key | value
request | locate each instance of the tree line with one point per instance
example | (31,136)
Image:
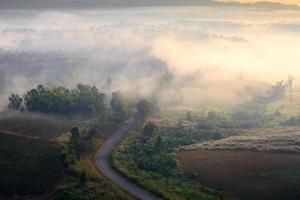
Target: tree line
(83,99)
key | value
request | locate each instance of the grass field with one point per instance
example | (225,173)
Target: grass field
(247,175)
(28,166)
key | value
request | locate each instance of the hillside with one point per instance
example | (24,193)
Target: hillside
(243,174)
(277,139)
(35,125)
(28,166)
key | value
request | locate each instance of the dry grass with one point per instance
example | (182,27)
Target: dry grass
(276,139)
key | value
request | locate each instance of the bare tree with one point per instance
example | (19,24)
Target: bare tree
(290,81)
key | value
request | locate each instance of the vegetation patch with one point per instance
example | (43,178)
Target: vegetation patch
(148,160)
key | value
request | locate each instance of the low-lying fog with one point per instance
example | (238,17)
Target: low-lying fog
(143,50)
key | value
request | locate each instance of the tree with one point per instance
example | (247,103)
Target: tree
(75,141)
(290,81)
(159,145)
(92,133)
(144,109)
(83,178)
(15,102)
(149,129)
(86,96)
(75,133)
(120,106)
(189,115)
(84,99)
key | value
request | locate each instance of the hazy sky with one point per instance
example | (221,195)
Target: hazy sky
(279,1)
(92,4)
(206,43)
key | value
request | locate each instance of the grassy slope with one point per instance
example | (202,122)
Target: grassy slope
(248,175)
(36,125)
(275,139)
(46,127)
(28,166)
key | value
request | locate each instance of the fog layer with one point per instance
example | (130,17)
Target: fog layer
(140,50)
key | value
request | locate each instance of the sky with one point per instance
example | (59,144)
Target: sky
(205,44)
(92,4)
(277,1)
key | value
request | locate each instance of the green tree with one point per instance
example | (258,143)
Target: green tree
(189,116)
(119,106)
(15,102)
(75,133)
(84,99)
(144,110)
(83,179)
(87,96)
(149,129)
(75,141)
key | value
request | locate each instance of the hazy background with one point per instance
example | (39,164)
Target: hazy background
(140,49)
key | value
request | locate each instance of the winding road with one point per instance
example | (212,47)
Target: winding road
(102,162)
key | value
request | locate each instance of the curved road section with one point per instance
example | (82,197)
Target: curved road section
(102,162)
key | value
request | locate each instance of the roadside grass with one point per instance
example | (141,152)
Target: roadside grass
(245,174)
(97,187)
(167,189)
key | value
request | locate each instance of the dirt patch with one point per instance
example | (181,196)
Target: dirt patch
(247,175)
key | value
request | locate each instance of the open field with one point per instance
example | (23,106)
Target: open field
(200,101)
(35,125)
(247,175)
(277,139)
(28,166)
(203,98)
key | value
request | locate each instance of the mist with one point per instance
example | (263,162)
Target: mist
(142,51)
